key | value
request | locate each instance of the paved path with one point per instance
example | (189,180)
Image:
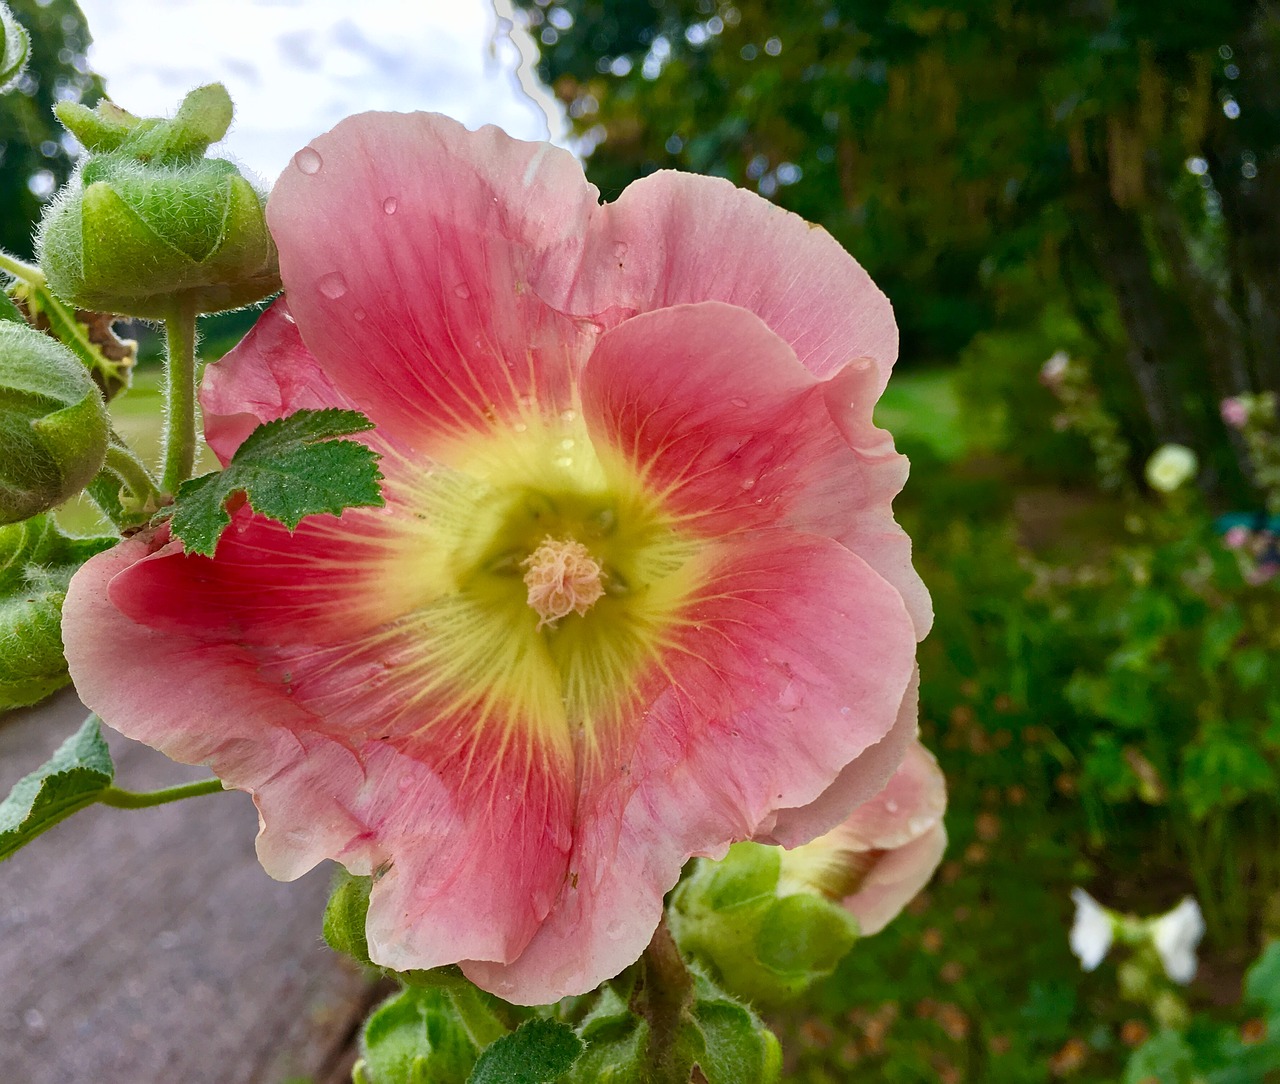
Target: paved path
(148,947)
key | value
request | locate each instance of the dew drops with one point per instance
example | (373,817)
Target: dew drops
(620,249)
(520,427)
(748,483)
(308,160)
(568,415)
(891,806)
(359,314)
(462,290)
(846,710)
(390,204)
(404,782)
(739,403)
(567,444)
(332,285)
(615,930)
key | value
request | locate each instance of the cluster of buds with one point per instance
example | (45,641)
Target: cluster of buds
(1082,410)
(1255,540)
(1254,417)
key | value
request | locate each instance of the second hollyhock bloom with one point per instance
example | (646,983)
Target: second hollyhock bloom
(636,591)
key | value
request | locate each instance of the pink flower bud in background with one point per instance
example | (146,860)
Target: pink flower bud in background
(1236,538)
(1234,412)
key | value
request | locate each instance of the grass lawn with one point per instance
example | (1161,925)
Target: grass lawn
(922,406)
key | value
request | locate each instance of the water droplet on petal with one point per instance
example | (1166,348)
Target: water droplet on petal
(308,160)
(846,710)
(620,249)
(390,204)
(332,285)
(359,314)
(568,415)
(567,443)
(748,483)
(739,403)
(616,930)
(891,806)
(404,782)
(520,427)
(564,461)
(462,290)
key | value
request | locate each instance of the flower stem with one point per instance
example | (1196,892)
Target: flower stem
(125,465)
(130,799)
(179,396)
(666,993)
(480,1021)
(28,273)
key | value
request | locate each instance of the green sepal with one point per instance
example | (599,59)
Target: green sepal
(416,1037)
(288,469)
(15,48)
(147,226)
(53,424)
(345,914)
(758,945)
(9,311)
(71,779)
(537,1052)
(37,562)
(201,120)
(739,1048)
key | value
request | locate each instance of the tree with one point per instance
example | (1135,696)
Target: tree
(36,155)
(987,161)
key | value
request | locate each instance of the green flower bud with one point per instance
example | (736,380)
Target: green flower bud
(53,423)
(36,563)
(759,945)
(15,48)
(148,224)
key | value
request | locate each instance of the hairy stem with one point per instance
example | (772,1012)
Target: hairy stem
(480,1021)
(180,397)
(130,799)
(666,993)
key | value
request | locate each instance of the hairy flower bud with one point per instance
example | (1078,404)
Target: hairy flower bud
(36,563)
(53,423)
(148,223)
(15,48)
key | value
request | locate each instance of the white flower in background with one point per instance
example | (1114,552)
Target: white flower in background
(1053,370)
(1176,936)
(1092,931)
(1170,467)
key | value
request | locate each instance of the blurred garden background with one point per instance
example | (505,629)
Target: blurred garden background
(1075,209)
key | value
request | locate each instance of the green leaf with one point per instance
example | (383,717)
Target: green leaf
(1165,1057)
(739,1048)
(535,1053)
(416,1038)
(68,781)
(1262,981)
(288,469)
(15,48)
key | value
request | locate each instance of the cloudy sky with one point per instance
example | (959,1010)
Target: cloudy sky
(296,67)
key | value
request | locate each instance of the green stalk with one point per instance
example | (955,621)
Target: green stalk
(28,273)
(125,465)
(179,397)
(480,1021)
(130,799)
(665,995)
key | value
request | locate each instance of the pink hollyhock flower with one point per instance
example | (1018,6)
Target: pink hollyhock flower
(1235,412)
(636,592)
(884,853)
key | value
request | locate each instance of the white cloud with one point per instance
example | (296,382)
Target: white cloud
(296,67)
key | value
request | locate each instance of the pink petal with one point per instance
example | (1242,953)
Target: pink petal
(407,249)
(341,763)
(268,375)
(718,415)
(896,880)
(860,780)
(675,238)
(913,800)
(794,662)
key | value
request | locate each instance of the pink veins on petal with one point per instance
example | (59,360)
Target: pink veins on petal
(636,591)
